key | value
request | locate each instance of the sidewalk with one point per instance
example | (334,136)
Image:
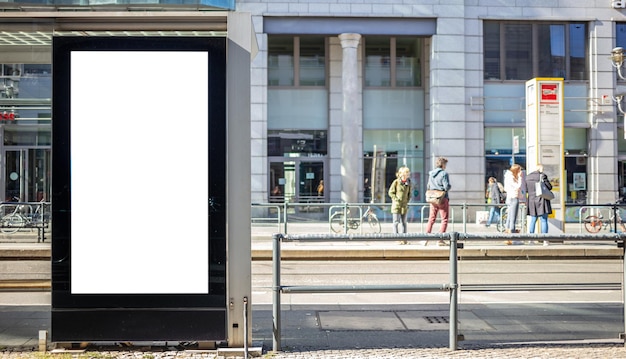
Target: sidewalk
(384,248)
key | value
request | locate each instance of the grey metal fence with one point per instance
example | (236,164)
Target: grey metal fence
(456,241)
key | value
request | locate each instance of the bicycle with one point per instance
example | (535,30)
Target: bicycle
(339,222)
(20,217)
(501,224)
(594,223)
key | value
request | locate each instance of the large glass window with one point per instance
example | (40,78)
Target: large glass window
(491,43)
(312,61)
(518,53)
(393,62)
(620,34)
(280,61)
(551,50)
(296,61)
(408,62)
(384,152)
(577,51)
(524,50)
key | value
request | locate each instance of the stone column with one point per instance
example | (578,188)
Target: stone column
(350,125)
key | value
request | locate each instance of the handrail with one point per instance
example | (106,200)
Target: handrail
(268,206)
(453,286)
(612,206)
(291,210)
(25,210)
(278,288)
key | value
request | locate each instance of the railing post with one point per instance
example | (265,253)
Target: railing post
(345,218)
(245,327)
(285,216)
(276,291)
(454,287)
(464,217)
(623,244)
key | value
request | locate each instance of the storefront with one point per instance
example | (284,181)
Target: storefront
(431,81)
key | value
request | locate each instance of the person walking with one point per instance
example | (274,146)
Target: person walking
(538,207)
(400,193)
(514,194)
(438,179)
(494,195)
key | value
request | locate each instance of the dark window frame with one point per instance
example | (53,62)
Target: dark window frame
(535,56)
(296,63)
(393,58)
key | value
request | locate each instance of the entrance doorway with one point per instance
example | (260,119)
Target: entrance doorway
(297,180)
(27,175)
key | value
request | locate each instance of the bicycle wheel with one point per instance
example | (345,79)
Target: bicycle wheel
(501,225)
(11,223)
(593,224)
(337,222)
(373,223)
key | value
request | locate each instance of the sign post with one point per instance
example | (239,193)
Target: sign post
(544,138)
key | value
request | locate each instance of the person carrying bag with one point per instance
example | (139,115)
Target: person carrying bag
(438,180)
(538,206)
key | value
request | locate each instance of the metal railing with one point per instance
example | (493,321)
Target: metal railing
(614,218)
(284,214)
(17,216)
(453,286)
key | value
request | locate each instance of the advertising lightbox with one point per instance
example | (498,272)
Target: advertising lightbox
(139,192)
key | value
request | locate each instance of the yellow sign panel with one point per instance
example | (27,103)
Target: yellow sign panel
(544,136)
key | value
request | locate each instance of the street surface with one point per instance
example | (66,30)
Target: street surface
(591,278)
(508,309)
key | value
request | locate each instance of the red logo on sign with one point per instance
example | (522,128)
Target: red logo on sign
(6,116)
(549,92)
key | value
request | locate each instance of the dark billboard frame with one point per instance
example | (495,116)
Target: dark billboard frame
(111,316)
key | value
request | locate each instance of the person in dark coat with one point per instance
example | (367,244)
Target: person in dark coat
(538,207)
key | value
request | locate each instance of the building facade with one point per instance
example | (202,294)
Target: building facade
(433,78)
(345,92)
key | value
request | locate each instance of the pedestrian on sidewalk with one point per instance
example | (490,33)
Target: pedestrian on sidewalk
(438,179)
(495,197)
(400,193)
(538,207)
(513,180)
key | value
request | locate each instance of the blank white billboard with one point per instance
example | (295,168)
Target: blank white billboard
(139,172)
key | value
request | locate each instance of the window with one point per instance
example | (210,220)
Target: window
(620,34)
(522,50)
(296,61)
(393,62)
(298,143)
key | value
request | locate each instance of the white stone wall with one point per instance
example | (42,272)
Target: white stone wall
(455,74)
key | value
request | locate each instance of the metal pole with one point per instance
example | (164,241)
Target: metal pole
(276,291)
(623,243)
(454,287)
(245,327)
(614,218)
(345,218)
(285,216)
(464,217)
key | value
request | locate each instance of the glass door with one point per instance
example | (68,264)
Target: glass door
(27,175)
(297,180)
(311,182)
(282,181)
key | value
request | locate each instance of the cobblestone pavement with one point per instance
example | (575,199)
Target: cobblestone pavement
(582,351)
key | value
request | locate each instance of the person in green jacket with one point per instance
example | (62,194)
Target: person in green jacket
(400,193)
